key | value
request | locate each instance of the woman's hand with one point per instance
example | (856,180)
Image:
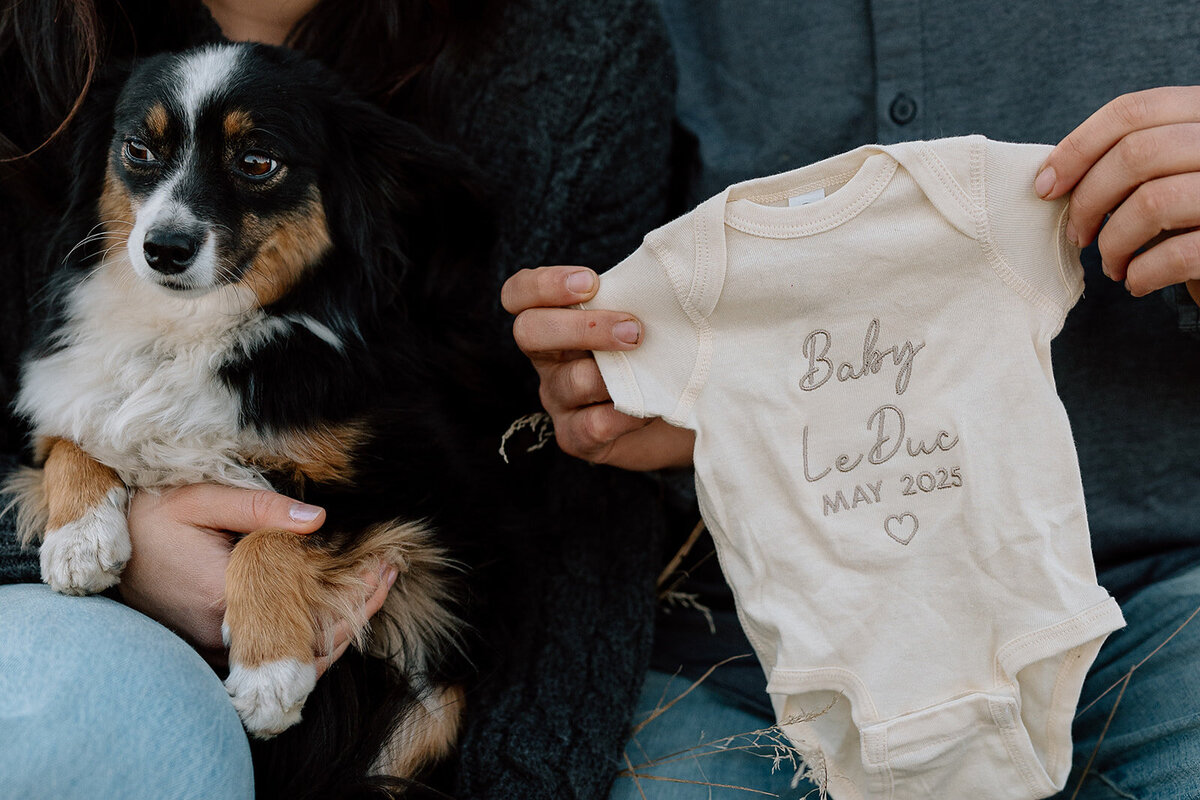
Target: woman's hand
(181,543)
(557,340)
(1138,159)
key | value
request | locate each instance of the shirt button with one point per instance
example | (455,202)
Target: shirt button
(903,109)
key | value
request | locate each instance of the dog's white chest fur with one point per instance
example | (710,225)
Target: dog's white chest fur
(136,383)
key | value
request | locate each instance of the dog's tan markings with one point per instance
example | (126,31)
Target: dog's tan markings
(157,120)
(237,123)
(116,208)
(273,590)
(414,626)
(322,455)
(283,590)
(293,244)
(425,735)
(74,482)
(416,619)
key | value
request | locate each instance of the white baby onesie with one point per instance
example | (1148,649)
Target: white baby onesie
(881,456)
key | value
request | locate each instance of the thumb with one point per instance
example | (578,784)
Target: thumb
(247,510)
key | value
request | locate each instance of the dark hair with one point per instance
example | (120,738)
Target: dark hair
(56,48)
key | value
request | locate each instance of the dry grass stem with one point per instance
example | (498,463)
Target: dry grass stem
(679,556)
(1087,768)
(636,778)
(689,600)
(1124,684)
(704,783)
(781,752)
(683,575)
(661,709)
(538,422)
(770,742)
(1151,654)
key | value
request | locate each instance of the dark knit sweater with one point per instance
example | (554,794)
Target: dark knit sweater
(567,109)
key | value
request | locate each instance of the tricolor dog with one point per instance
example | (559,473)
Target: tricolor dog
(259,293)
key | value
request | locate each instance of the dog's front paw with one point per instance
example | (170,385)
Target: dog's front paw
(269,697)
(87,555)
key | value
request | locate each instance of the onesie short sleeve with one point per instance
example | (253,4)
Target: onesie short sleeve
(662,379)
(1028,234)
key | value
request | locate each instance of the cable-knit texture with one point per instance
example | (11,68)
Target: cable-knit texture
(570,120)
(551,718)
(583,160)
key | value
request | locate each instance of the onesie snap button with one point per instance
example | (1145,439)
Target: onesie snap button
(903,109)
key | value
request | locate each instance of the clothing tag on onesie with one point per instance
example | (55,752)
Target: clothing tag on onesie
(814,196)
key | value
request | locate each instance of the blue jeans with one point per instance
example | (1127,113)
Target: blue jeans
(706,741)
(1151,750)
(98,701)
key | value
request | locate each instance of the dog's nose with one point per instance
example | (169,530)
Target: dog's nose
(169,250)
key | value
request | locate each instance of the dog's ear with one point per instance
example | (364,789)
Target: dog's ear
(90,137)
(412,210)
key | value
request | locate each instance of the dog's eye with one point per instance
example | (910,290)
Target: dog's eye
(256,164)
(136,150)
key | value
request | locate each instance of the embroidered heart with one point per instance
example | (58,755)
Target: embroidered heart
(895,527)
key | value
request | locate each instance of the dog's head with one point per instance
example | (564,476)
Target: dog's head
(250,165)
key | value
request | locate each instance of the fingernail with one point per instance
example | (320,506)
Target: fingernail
(628,331)
(302,512)
(581,282)
(1045,181)
(391,576)
(1072,237)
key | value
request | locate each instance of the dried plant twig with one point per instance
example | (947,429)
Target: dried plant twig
(538,422)
(1151,654)
(1124,684)
(680,555)
(661,709)
(689,600)
(771,742)
(704,783)
(636,778)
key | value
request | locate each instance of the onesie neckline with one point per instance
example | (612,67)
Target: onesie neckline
(860,175)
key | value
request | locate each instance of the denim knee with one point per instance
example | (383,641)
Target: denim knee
(1149,746)
(706,746)
(97,700)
